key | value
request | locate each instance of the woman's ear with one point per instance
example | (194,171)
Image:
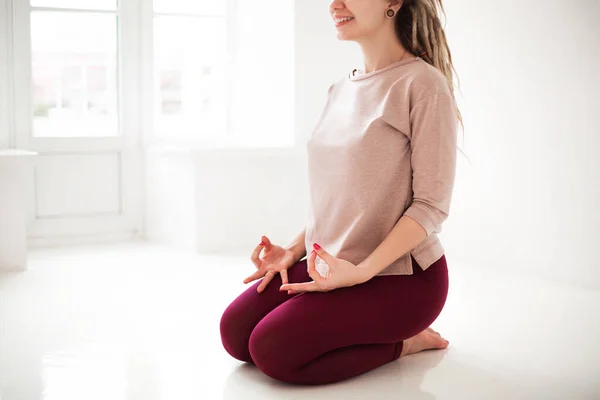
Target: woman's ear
(395,4)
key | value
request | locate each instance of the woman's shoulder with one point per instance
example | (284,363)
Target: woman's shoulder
(419,81)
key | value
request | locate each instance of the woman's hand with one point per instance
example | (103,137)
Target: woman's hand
(275,260)
(341,274)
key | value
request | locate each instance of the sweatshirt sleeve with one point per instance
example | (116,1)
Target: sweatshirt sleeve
(433,137)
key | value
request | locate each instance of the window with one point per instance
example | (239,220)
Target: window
(190,69)
(74,68)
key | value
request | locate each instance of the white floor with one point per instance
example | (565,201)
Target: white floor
(141,323)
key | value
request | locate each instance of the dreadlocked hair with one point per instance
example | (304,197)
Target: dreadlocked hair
(420,31)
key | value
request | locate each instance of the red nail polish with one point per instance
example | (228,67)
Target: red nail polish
(261,244)
(316,246)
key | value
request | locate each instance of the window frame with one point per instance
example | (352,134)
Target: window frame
(20,60)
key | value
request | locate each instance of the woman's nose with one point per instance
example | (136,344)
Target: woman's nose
(336,5)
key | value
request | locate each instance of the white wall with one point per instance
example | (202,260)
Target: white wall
(530,83)
(244,194)
(223,201)
(170,206)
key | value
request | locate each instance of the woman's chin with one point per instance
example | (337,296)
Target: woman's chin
(344,36)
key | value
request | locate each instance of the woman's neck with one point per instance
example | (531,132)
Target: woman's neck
(380,50)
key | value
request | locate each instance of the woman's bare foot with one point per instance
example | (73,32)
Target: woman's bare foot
(428,339)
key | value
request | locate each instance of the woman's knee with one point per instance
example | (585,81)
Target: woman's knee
(270,350)
(233,335)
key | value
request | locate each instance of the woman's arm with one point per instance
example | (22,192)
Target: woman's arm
(297,246)
(433,137)
(405,236)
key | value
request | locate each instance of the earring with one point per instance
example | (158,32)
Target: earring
(390,13)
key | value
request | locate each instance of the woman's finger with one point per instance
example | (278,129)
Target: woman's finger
(257,275)
(312,269)
(256,254)
(268,278)
(300,287)
(284,276)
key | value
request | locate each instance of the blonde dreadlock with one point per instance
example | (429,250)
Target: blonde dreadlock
(420,31)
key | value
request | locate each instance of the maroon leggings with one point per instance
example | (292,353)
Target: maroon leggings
(325,337)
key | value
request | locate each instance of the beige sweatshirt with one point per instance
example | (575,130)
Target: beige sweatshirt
(384,147)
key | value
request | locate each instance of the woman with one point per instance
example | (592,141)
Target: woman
(381,170)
